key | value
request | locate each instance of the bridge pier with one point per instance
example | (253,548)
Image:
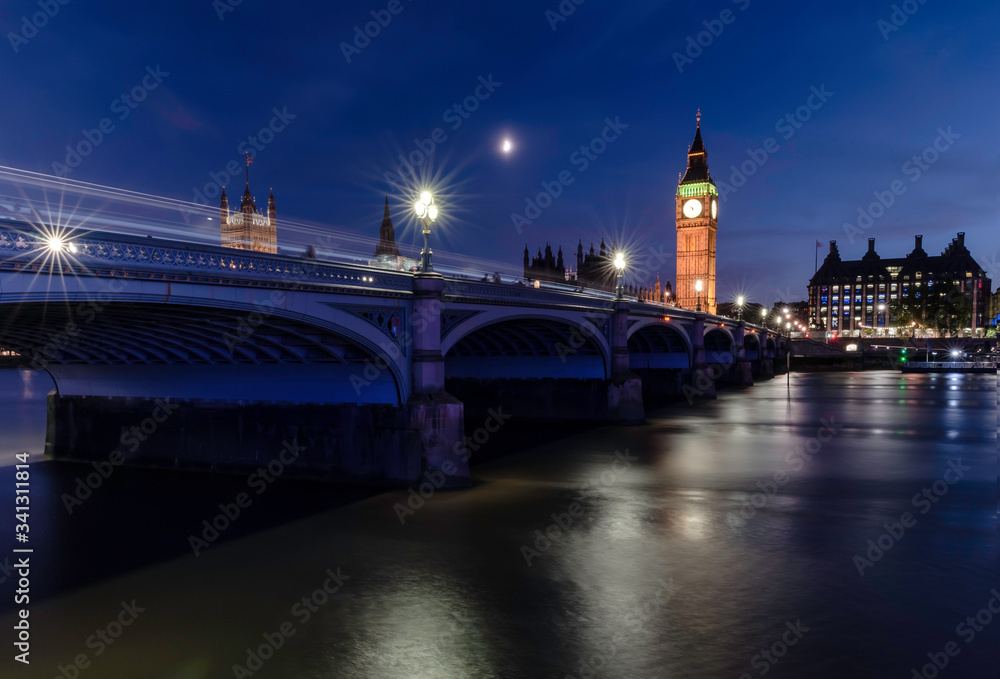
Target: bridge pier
(742,370)
(371,444)
(765,368)
(625,390)
(436,414)
(701,382)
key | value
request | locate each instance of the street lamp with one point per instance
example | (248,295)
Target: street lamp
(763,318)
(739,308)
(620,268)
(427,213)
(697,287)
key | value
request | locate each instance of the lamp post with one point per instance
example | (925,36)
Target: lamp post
(427,213)
(739,308)
(697,287)
(620,268)
(763,318)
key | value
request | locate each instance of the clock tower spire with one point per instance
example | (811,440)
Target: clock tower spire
(697,222)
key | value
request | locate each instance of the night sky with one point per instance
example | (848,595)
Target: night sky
(893,88)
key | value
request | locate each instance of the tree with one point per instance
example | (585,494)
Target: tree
(949,309)
(943,307)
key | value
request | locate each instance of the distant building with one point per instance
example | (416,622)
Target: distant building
(387,255)
(249,229)
(545,267)
(847,297)
(796,312)
(594,269)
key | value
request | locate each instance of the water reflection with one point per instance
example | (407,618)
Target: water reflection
(647,577)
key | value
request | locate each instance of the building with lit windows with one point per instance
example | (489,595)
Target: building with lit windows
(249,229)
(853,297)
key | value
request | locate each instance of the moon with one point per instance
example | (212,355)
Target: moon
(507,146)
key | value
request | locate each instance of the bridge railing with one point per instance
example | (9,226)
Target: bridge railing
(83,253)
(76,255)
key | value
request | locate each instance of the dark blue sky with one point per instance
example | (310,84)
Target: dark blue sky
(607,60)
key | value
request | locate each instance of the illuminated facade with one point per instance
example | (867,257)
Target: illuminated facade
(249,229)
(848,297)
(697,223)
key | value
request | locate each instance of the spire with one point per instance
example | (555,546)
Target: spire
(386,235)
(697,166)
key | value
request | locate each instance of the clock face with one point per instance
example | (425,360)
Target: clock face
(715,208)
(692,208)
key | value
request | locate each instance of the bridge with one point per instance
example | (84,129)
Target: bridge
(185,355)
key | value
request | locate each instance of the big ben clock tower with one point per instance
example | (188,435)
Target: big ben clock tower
(697,222)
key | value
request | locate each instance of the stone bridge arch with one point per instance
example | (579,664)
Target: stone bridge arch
(272,345)
(751,346)
(659,345)
(719,345)
(527,345)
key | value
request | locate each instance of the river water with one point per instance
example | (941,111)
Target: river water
(724,539)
